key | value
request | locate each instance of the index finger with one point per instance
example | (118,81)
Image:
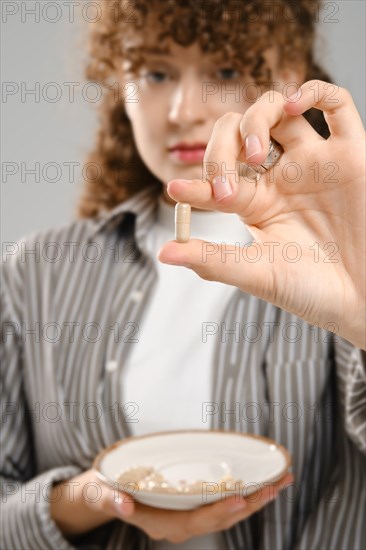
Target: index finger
(219,188)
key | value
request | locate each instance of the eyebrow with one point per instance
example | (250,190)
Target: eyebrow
(156,50)
(160,51)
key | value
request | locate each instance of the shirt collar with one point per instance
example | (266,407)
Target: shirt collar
(143,204)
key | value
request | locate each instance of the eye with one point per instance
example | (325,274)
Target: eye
(228,73)
(156,76)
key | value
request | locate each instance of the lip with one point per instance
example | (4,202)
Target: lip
(188,152)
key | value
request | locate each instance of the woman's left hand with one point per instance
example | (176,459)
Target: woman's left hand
(307,214)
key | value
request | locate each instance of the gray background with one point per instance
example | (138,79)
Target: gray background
(36,129)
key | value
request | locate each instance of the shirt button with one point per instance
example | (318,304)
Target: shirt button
(136,296)
(111,366)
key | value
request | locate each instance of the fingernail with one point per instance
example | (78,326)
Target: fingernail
(237,506)
(252,146)
(221,188)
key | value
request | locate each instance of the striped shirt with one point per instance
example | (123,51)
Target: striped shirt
(72,299)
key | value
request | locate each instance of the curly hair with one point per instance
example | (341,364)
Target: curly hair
(238,31)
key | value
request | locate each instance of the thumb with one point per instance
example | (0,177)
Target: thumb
(246,267)
(119,504)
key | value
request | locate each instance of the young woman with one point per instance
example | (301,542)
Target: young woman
(119,337)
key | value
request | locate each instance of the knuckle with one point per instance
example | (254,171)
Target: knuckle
(310,83)
(227,117)
(271,96)
(230,115)
(254,115)
(249,118)
(345,95)
(314,83)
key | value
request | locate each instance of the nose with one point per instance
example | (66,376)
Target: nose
(186,106)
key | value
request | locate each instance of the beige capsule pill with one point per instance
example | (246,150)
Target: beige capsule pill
(182,222)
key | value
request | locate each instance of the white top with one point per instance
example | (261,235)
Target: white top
(168,373)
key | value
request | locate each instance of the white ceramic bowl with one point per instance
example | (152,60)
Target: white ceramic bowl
(195,455)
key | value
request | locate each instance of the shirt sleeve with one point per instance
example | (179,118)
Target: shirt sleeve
(351,368)
(25,518)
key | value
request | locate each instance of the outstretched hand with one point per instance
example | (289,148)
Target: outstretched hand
(306,214)
(81,514)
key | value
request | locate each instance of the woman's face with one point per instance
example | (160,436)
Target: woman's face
(174,101)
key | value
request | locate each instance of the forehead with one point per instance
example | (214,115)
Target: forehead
(193,36)
(171,51)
